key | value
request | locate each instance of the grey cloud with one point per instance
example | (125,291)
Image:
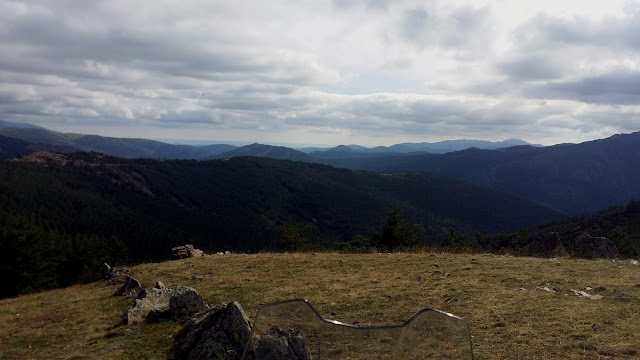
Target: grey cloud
(545,31)
(618,87)
(368,4)
(466,28)
(531,68)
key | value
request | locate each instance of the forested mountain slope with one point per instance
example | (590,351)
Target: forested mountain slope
(240,203)
(574,178)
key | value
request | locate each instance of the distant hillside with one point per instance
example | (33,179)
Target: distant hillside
(37,135)
(121,147)
(8,124)
(143,148)
(574,178)
(12,147)
(240,203)
(267,151)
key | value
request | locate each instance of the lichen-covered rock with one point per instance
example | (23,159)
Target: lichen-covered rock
(280,344)
(220,332)
(177,302)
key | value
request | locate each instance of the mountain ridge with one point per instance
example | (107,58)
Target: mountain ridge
(574,178)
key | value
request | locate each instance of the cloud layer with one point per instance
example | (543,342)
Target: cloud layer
(372,72)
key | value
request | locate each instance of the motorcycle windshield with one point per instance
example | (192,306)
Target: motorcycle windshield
(294,329)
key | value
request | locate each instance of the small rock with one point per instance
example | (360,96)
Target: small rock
(586,295)
(622,297)
(523,289)
(588,288)
(227,252)
(417,278)
(160,285)
(549,288)
(634,262)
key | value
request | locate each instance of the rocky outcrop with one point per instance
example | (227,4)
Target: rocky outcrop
(178,302)
(546,246)
(595,247)
(185,251)
(130,286)
(220,332)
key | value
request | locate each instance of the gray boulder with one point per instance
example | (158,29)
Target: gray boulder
(280,344)
(178,302)
(130,286)
(107,272)
(595,247)
(546,246)
(220,332)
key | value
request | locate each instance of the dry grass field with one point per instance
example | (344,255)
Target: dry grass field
(509,316)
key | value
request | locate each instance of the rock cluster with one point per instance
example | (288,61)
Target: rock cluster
(218,332)
(185,251)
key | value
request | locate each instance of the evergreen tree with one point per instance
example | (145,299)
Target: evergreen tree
(397,233)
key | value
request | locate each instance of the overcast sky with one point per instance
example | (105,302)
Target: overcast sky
(371,72)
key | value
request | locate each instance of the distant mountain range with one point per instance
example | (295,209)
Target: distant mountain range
(143,148)
(441,147)
(573,178)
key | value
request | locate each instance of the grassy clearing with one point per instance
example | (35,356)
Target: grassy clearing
(82,322)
